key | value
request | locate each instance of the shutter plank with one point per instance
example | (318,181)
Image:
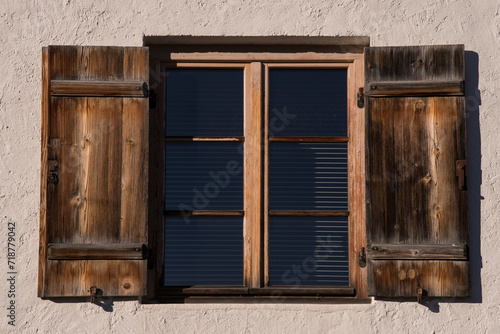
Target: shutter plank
(134,193)
(101,147)
(415,208)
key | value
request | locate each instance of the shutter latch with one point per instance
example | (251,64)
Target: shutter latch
(361,98)
(461,171)
(53,176)
(362,257)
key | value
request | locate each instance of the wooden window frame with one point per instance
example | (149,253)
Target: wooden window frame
(256,62)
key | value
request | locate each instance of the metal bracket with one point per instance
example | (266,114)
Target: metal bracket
(93,294)
(53,175)
(461,172)
(361,98)
(362,257)
(419,295)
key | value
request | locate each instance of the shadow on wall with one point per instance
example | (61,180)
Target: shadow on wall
(474,173)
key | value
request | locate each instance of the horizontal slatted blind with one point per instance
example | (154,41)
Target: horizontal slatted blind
(309,251)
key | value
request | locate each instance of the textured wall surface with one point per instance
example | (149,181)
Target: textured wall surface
(26,26)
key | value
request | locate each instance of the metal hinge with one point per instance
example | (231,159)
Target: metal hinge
(362,257)
(361,98)
(53,172)
(461,171)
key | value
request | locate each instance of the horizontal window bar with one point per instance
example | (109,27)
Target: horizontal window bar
(203,213)
(190,139)
(317,213)
(311,139)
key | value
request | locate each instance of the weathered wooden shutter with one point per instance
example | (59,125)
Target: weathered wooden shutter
(417,226)
(94,174)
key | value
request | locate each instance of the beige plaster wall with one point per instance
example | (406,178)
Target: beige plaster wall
(26,26)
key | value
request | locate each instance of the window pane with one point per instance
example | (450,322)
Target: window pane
(203,251)
(204,102)
(309,251)
(308,176)
(308,102)
(204,176)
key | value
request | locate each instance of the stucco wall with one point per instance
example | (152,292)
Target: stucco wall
(26,26)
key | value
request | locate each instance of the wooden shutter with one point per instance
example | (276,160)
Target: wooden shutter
(417,227)
(94,172)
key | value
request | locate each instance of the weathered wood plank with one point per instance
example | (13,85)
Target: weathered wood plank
(45,126)
(394,278)
(415,63)
(134,171)
(103,138)
(417,252)
(98,88)
(95,141)
(96,251)
(414,88)
(415,134)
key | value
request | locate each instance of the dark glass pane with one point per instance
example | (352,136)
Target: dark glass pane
(204,102)
(203,251)
(309,251)
(308,176)
(204,176)
(308,102)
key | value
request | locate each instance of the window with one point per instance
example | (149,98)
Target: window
(248,177)
(256,169)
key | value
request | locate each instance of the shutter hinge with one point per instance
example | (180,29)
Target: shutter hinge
(361,98)
(461,171)
(53,174)
(362,257)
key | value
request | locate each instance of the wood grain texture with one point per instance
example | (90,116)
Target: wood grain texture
(415,63)
(100,144)
(414,88)
(356,178)
(96,252)
(415,208)
(253,179)
(417,252)
(98,88)
(399,278)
